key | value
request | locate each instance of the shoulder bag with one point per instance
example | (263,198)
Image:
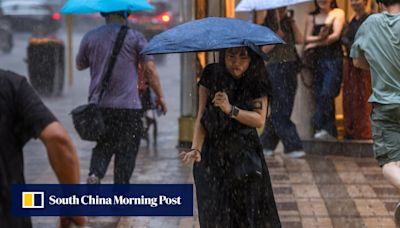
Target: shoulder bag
(88,120)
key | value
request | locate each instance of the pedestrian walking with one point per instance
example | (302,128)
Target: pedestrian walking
(149,108)
(376,47)
(121,106)
(282,68)
(324,29)
(233,185)
(356,82)
(23,116)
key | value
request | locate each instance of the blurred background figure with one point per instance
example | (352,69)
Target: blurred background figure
(356,82)
(324,28)
(282,68)
(149,108)
(6,36)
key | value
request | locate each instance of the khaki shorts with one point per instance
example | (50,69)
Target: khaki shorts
(386,132)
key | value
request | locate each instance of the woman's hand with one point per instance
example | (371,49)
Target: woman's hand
(221,101)
(192,155)
(325,31)
(310,46)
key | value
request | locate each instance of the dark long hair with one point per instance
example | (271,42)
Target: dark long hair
(271,21)
(254,79)
(318,10)
(255,72)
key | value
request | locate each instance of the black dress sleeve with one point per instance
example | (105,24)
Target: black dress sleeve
(33,115)
(208,76)
(261,89)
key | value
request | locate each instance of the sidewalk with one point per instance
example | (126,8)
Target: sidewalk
(320,192)
(332,192)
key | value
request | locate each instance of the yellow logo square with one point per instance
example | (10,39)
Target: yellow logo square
(32,199)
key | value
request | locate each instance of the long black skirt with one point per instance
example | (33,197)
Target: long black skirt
(228,203)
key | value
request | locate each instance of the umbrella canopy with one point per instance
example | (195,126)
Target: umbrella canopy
(209,34)
(105,6)
(250,5)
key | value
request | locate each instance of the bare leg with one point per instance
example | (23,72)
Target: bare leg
(391,171)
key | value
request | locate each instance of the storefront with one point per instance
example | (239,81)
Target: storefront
(192,64)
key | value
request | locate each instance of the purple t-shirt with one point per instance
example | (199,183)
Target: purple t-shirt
(95,51)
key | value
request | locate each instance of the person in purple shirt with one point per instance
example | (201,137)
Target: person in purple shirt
(121,106)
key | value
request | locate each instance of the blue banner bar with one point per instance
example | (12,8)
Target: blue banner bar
(103,200)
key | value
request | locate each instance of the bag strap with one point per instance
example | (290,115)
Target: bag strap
(3,180)
(116,49)
(302,76)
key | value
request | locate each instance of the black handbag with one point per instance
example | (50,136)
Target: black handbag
(309,58)
(88,120)
(248,163)
(249,166)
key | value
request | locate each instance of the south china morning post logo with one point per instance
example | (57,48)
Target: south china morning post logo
(103,200)
(116,200)
(32,200)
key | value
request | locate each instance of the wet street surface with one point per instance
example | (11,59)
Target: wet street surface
(316,191)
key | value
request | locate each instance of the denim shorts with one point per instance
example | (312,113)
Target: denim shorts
(386,132)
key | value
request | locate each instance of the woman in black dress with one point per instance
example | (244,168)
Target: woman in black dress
(232,104)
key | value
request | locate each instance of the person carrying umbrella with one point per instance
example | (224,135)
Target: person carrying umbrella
(233,185)
(121,106)
(232,103)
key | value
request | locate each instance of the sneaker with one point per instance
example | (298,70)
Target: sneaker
(323,134)
(397,215)
(268,152)
(92,179)
(296,154)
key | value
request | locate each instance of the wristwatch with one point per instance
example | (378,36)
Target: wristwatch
(234,111)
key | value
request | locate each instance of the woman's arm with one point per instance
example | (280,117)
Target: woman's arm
(298,35)
(337,26)
(253,118)
(199,133)
(256,117)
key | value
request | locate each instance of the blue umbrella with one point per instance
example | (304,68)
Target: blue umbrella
(105,6)
(209,34)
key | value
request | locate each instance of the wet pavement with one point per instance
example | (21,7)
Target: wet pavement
(332,192)
(318,191)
